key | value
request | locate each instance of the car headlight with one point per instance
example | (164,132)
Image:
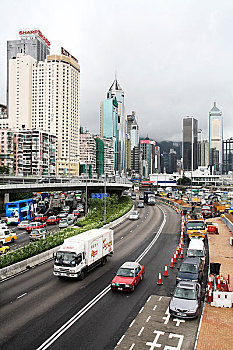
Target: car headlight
(113,284)
(194,280)
(128,285)
(178,278)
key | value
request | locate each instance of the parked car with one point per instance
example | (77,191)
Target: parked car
(40,217)
(52,220)
(38,234)
(140,205)
(128,276)
(186,300)
(23,224)
(63,223)
(4,249)
(35,225)
(134,215)
(192,269)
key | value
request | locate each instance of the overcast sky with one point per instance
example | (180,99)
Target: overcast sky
(173,58)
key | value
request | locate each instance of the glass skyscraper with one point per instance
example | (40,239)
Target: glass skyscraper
(190,129)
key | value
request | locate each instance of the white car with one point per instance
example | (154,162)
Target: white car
(134,215)
(63,223)
(23,224)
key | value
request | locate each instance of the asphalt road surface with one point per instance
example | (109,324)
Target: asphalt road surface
(40,311)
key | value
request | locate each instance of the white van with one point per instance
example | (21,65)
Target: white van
(196,248)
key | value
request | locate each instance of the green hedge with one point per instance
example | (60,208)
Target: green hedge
(94,219)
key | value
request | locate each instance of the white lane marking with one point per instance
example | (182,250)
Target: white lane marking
(122,237)
(88,306)
(132,346)
(148,299)
(121,339)
(154,307)
(131,323)
(148,318)
(178,321)
(154,344)
(131,231)
(160,298)
(178,347)
(22,295)
(140,332)
(141,309)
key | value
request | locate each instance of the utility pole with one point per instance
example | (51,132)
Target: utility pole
(105,199)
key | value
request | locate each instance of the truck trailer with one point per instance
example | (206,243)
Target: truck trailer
(80,254)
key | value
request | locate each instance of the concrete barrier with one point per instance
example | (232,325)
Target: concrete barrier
(227,222)
(222,299)
(42,257)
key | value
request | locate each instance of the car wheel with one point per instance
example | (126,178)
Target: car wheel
(103,261)
(82,275)
(12,240)
(133,287)
(142,277)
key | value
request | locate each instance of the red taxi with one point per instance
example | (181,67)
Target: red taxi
(35,225)
(127,277)
(52,220)
(40,217)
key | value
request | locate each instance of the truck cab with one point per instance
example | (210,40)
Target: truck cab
(196,228)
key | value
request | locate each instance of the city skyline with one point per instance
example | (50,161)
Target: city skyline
(173,67)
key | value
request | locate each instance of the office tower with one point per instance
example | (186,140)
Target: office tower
(228,155)
(130,120)
(47,98)
(135,149)
(20,91)
(32,43)
(216,138)
(109,125)
(147,149)
(157,160)
(190,127)
(87,151)
(202,149)
(117,92)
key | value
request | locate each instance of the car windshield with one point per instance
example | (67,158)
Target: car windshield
(195,252)
(126,272)
(196,225)
(65,259)
(24,222)
(190,268)
(63,221)
(52,217)
(35,232)
(183,293)
(134,213)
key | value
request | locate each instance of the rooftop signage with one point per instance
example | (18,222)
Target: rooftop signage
(66,53)
(27,33)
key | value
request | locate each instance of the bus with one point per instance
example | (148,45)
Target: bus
(19,210)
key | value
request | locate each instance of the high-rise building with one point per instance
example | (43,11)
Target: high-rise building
(87,151)
(202,149)
(130,120)
(216,138)
(47,98)
(117,92)
(4,122)
(147,149)
(228,155)
(20,91)
(190,128)
(32,43)
(109,125)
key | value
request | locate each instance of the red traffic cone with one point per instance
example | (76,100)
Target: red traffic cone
(174,258)
(209,295)
(209,282)
(181,254)
(165,271)
(172,263)
(160,279)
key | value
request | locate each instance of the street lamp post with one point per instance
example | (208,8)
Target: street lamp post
(86,194)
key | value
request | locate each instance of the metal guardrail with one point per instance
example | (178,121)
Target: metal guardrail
(227,222)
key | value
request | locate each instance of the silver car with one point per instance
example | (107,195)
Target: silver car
(186,300)
(134,215)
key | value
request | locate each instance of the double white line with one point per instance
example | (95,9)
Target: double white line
(91,303)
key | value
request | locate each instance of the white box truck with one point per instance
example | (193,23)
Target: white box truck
(81,253)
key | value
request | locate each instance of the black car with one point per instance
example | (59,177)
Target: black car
(192,269)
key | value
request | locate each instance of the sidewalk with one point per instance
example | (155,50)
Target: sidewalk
(217,324)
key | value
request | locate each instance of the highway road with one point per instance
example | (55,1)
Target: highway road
(35,304)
